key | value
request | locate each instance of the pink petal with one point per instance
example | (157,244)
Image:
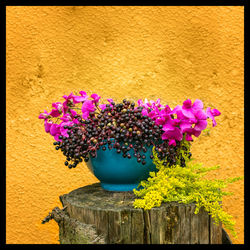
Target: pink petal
(55,113)
(187,104)
(102,106)
(192,131)
(82,93)
(174,134)
(47,125)
(185,124)
(200,125)
(96,98)
(54,129)
(78,99)
(165,136)
(188,113)
(198,104)
(85,115)
(56,137)
(168,126)
(110,100)
(172,142)
(43,115)
(160,121)
(73,112)
(189,137)
(76,121)
(57,105)
(199,114)
(179,114)
(208,112)
(66,117)
(144,112)
(214,122)
(215,112)
(140,102)
(196,133)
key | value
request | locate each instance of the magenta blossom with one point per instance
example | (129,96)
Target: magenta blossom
(103,106)
(96,98)
(156,104)
(47,125)
(82,98)
(172,132)
(44,115)
(212,113)
(69,98)
(54,129)
(172,135)
(191,131)
(66,117)
(87,107)
(188,108)
(55,113)
(69,101)
(58,106)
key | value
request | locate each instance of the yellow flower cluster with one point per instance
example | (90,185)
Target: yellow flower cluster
(186,185)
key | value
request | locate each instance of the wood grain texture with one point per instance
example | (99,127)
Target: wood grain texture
(114,218)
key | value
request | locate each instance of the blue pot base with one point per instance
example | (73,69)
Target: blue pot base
(119,187)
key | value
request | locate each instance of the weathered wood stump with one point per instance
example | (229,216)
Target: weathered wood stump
(93,215)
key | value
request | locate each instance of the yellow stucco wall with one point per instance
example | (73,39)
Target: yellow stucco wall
(121,52)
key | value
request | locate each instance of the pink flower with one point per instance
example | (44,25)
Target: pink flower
(140,102)
(55,113)
(188,108)
(69,101)
(47,125)
(156,104)
(56,137)
(44,115)
(69,98)
(54,129)
(160,120)
(103,106)
(66,117)
(144,112)
(172,132)
(191,131)
(72,112)
(58,106)
(96,98)
(82,98)
(87,107)
(200,120)
(172,135)
(212,113)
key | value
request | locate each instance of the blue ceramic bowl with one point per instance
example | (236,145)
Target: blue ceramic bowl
(117,173)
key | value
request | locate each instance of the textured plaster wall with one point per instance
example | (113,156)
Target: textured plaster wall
(170,53)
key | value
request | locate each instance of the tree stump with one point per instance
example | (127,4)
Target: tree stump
(96,216)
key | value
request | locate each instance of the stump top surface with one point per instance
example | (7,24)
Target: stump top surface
(98,198)
(95,196)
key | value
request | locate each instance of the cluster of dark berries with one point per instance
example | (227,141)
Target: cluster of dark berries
(120,127)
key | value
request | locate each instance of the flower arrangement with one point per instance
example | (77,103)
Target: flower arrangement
(81,126)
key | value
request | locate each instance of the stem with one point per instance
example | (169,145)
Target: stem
(75,108)
(97,107)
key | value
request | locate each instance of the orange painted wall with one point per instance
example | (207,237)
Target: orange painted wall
(121,52)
